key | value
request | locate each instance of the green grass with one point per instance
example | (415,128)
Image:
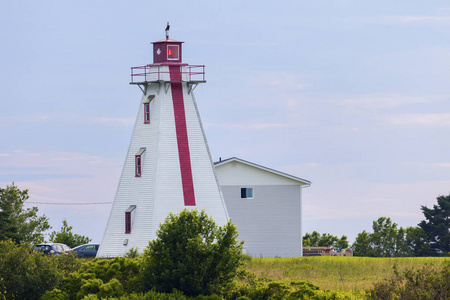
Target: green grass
(351,274)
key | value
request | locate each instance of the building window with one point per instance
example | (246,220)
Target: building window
(138,166)
(127,222)
(147,108)
(138,162)
(146,113)
(129,216)
(246,193)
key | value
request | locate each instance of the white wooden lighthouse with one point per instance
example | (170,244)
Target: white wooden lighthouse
(168,166)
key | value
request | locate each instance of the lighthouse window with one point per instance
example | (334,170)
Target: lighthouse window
(129,216)
(146,112)
(147,108)
(246,193)
(173,52)
(138,162)
(127,222)
(138,166)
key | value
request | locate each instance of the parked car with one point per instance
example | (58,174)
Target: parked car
(52,248)
(86,250)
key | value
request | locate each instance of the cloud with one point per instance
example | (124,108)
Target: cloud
(409,20)
(21,165)
(69,156)
(77,118)
(43,117)
(371,101)
(71,118)
(4,154)
(426,119)
(439,165)
(279,81)
(312,164)
(121,121)
(243,126)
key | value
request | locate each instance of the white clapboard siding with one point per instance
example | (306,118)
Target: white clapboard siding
(270,222)
(158,191)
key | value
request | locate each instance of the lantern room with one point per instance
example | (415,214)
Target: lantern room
(167,51)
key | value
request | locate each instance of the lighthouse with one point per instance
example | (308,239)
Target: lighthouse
(168,166)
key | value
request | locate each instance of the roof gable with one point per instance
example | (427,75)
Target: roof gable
(238,171)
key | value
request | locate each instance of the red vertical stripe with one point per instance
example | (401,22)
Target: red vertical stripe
(182,136)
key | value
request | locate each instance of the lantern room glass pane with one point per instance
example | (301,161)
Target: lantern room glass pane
(173,52)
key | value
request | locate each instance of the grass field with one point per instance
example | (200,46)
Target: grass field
(352,274)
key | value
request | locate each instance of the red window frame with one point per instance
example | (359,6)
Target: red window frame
(127,222)
(137,166)
(146,113)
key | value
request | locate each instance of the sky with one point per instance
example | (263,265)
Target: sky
(350,95)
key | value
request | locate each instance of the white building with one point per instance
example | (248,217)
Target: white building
(168,166)
(265,205)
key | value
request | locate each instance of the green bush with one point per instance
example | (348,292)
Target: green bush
(152,295)
(105,277)
(428,282)
(251,287)
(191,254)
(27,275)
(111,289)
(55,294)
(91,286)
(132,253)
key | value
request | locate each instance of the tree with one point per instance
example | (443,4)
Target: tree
(342,243)
(416,241)
(8,229)
(311,239)
(191,254)
(361,246)
(315,239)
(437,225)
(66,236)
(22,225)
(27,275)
(384,237)
(387,240)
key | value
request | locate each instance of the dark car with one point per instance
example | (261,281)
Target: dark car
(52,248)
(86,250)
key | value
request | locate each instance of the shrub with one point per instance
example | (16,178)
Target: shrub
(191,254)
(132,253)
(152,295)
(105,277)
(111,289)
(55,294)
(91,286)
(27,275)
(251,287)
(424,283)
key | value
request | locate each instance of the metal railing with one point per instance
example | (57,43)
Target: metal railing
(149,73)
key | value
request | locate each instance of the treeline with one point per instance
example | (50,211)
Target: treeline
(431,237)
(191,258)
(25,226)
